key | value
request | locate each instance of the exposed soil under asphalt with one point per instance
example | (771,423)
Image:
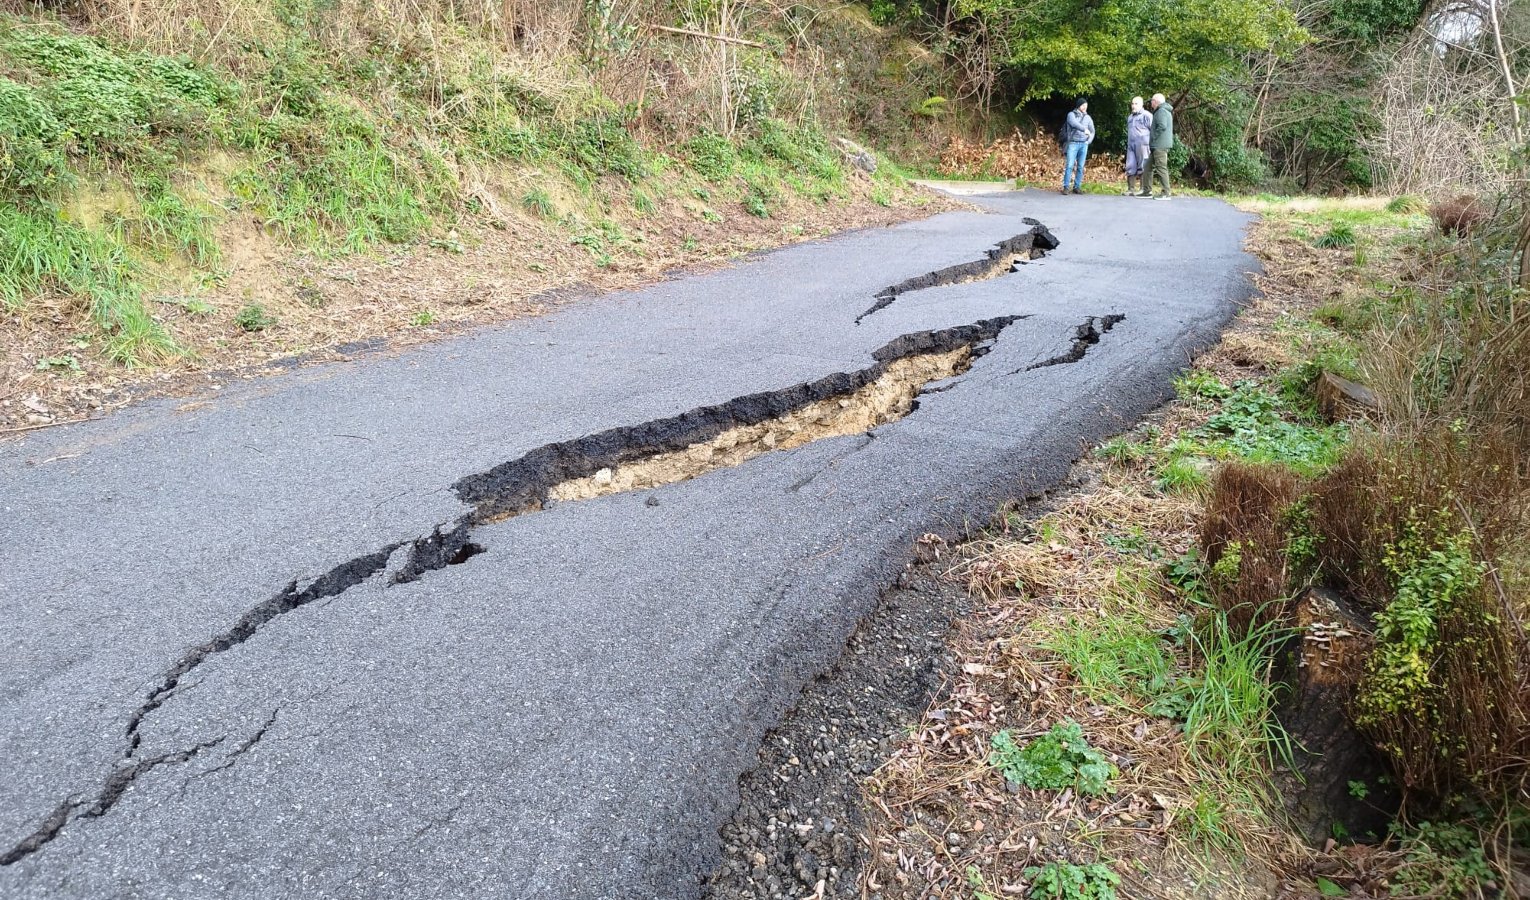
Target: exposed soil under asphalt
(799,831)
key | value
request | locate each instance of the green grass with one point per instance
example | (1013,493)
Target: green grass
(1407,205)
(297,136)
(1341,235)
(538,202)
(40,252)
(1117,658)
(1122,450)
(1183,473)
(1229,715)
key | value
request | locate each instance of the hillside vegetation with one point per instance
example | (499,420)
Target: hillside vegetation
(202,183)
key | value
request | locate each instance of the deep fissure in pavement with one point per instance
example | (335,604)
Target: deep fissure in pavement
(728,433)
(1084,337)
(1003,259)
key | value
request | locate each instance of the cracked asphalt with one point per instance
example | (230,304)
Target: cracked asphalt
(565,714)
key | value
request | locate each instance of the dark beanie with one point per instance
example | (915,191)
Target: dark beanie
(1080,102)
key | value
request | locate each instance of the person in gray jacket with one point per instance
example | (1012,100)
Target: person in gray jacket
(1139,131)
(1162,142)
(1079,132)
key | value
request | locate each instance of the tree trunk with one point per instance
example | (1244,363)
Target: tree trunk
(1339,788)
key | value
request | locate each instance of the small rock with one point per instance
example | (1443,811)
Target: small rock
(604,476)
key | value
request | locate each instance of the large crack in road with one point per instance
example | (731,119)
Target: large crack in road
(638,457)
(488,686)
(1003,259)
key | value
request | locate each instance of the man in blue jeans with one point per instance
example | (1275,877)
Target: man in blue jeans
(1077,134)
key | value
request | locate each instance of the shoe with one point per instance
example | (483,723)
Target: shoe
(1064,191)
(1161,197)
(1077,191)
(1145,194)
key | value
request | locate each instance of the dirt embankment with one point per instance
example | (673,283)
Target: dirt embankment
(327,309)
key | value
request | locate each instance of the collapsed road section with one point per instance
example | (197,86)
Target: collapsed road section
(635,457)
(1006,257)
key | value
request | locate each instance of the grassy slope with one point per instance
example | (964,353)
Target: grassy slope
(277,195)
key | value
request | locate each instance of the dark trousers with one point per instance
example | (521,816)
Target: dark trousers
(1160,170)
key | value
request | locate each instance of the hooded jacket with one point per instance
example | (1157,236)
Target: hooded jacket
(1163,127)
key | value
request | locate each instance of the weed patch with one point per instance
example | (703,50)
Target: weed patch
(1059,759)
(1067,881)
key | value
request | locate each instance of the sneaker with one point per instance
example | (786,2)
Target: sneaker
(1144,194)
(1160,196)
(1077,191)
(1063,191)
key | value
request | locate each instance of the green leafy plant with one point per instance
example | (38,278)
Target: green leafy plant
(1251,426)
(1200,383)
(422,318)
(712,156)
(1433,573)
(67,362)
(979,885)
(1059,759)
(253,317)
(1068,881)
(1442,860)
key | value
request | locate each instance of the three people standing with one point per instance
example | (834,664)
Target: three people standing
(1078,133)
(1149,137)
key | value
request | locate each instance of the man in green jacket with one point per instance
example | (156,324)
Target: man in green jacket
(1162,141)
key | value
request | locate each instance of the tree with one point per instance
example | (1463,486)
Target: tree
(1066,47)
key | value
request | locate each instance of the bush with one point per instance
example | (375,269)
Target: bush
(1460,216)
(712,155)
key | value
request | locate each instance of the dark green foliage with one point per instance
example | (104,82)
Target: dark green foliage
(1231,163)
(253,318)
(1369,21)
(1068,881)
(712,155)
(1322,145)
(602,145)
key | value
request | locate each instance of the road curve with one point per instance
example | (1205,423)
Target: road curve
(286,644)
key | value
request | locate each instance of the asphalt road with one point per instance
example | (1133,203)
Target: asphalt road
(566,714)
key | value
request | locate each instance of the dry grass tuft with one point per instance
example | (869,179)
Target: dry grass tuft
(1244,535)
(1460,216)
